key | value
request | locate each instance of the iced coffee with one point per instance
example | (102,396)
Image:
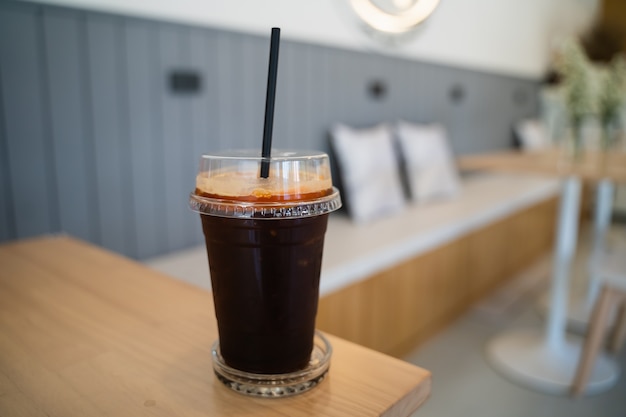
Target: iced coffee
(264,240)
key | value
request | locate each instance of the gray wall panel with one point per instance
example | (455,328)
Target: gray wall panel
(403,99)
(355,106)
(460,132)
(7,223)
(107,84)
(417,89)
(430,95)
(229,74)
(68,133)
(186,105)
(317,102)
(364,111)
(287,91)
(145,139)
(254,58)
(225,96)
(338,66)
(495,111)
(386,72)
(28,149)
(203,111)
(89,119)
(301,99)
(176,146)
(308,107)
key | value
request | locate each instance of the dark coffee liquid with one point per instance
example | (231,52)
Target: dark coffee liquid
(265,277)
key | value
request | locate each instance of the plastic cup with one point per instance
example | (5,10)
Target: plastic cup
(264,239)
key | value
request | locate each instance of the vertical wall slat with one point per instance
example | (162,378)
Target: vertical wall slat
(223,91)
(230,73)
(368,69)
(336,88)
(188,162)
(124,129)
(29,164)
(405,102)
(294,73)
(68,133)
(308,91)
(284,123)
(493,110)
(146,165)
(7,222)
(416,89)
(426,87)
(203,110)
(384,70)
(300,93)
(254,57)
(317,109)
(176,185)
(455,111)
(205,103)
(106,83)
(204,58)
(355,107)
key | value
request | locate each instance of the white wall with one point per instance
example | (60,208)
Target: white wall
(502,36)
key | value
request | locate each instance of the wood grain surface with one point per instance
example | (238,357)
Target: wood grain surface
(590,166)
(85,332)
(393,311)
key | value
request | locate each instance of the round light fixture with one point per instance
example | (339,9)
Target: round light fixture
(393,17)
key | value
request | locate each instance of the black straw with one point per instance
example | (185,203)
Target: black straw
(269,103)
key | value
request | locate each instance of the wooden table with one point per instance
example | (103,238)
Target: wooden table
(591,166)
(546,360)
(85,332)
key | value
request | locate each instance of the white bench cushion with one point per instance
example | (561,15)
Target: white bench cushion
(355,252)
(430,169)
(369,171)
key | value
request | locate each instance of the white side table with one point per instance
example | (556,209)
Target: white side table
(580,305)
(546,360)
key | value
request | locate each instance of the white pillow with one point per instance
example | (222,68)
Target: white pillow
(369,171)
(532,134)
(430,169)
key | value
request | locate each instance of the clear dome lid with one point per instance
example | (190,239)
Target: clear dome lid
(299,184)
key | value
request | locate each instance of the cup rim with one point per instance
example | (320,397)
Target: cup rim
(221,207)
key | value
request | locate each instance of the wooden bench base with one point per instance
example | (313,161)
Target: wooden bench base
(395,310)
